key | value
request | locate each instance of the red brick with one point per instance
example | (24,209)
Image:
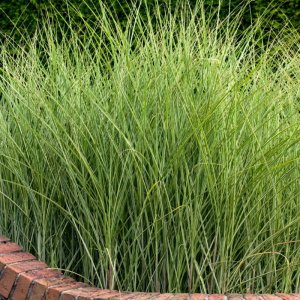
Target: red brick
(138,296)
(40,286)
(181,297)
(7,282)
(11,258)
(234,296)
(199,296)
(287,296)
(68,297)
(9,248)
(4,239)
(127,296)
(269,297)
(147,296)
(165,296)
(91,293)
(105,296)
(25,280)
(54,292)
(216,297)
(11,272)
(82,293)
(251,297)
(33,280)
(26,266)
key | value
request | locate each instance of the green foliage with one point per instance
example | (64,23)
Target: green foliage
(17,12)
(27,13)
(281,12)
(167,165)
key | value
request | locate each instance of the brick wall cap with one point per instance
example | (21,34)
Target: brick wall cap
(23,277)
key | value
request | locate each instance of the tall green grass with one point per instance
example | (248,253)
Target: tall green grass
(160,156)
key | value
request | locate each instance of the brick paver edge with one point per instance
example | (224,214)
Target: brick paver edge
(23,277)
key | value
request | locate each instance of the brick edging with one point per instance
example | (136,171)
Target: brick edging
(23,277)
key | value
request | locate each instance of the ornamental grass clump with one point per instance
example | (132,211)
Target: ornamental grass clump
(157,155)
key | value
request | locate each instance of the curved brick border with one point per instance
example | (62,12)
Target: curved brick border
(23,277)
